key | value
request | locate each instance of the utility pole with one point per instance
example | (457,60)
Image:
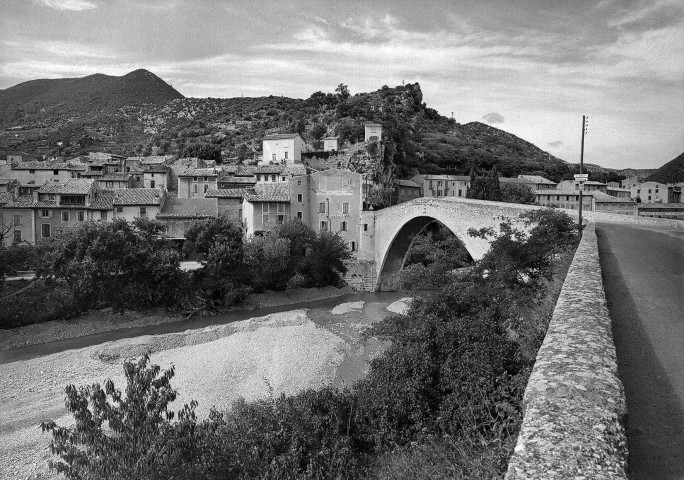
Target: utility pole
(580,177)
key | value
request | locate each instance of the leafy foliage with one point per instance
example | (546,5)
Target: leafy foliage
(119,264)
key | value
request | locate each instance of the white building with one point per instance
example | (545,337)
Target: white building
(132,203)
(283,148)
(331,144)
(373,132)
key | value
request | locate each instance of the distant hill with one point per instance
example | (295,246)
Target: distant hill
(36,100)
(139,113)
(672,171)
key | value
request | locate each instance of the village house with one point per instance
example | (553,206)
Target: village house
(673,211)
(590,186)
(264,207)
(330,200)
(229,202)
(372,132)
(618,192)
(443,185)
(655,192)
(404,191)
(115,181)
(332,144)
(278,173)
(133,203)
(52,209)
(195,182)
(178,214)
(236,179)
(41,172)
(156,176)
(602,202)
(282,148)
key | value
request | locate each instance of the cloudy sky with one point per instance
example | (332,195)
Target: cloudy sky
(532,67)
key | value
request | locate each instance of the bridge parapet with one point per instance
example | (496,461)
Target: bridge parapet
(574,404)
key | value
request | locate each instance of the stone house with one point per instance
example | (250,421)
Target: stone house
(537,182)
(264,207)
(229,202)
(115,181)
(282,148)
(332,144)
(372,132)
(133,203)
(156,176)
(194,182)
(404,191)
(443,185)
(178,214)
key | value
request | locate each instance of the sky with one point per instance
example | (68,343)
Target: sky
(532,68)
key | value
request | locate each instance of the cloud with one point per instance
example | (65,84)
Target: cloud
(73,5)
(555,144)
(493,118)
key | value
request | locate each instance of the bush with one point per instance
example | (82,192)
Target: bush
(37,303)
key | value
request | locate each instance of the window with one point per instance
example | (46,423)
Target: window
(439,193)
(152,183)
(45,230)
(143,211)
(459,193)
(65,215)
(264,220)
(299,215)
(45,213)
(119,209)
(194,179)
(240,213)
(281,207)
(323,226)
(280,219)
(343,226)
(365,227)
(206,187)
(321,207)
(194,188)
(300,198)
(299,182)
(81,216)
(103,215)
(264,208)
(649,190)
(557,197)
(274,157)
(55,172)
(567,198)
(352,246)
(282,178)
(345,207)
(109,184)
(32,171)
(273,178)
(17,236)
(16,220)
(285,155)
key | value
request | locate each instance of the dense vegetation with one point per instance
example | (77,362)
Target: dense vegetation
(130,266)
(444,399)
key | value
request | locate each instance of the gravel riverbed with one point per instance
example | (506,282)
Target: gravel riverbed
(281,352)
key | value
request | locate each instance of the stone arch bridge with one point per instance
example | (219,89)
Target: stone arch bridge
(387,237)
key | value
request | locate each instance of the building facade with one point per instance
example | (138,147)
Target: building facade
(283,148)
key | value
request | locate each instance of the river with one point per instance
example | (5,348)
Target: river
(250,354)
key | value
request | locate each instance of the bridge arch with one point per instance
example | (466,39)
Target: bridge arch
(394,225)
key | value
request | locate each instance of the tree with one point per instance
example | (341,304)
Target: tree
(517,193)
(485,187)
(301,238)
(343,91)
(125,436)
(118,264)
(267,262)
(325,263)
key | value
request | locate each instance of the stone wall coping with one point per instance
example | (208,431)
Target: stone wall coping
(574,405)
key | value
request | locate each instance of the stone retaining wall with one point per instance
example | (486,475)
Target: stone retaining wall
(574,404)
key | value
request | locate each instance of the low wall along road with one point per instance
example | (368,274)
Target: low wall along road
(574,405)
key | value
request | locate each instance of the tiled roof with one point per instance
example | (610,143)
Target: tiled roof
(72,187)
(103,201)
(663,206)
(562,192)
(605,198)
(188,208)
(116,177)
(537,179)
(161,168)
(5,181)
(138,196)
(459,178)
(406,183)
(28,202)
(199,172)
(233,179)
(270,169)
(268,193)
(225,193)
(521,181)
(332,138)
(41,166)
(281,136)
(92,173)
(5,197)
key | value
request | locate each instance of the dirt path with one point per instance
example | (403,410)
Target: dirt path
(643,274)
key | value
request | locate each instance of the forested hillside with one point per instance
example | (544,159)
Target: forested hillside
(139,113)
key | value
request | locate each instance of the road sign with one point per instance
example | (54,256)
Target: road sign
(581,177)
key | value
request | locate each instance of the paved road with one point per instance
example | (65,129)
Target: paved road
(643,275)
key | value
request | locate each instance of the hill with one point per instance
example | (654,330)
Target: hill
(38,100)
(671,172)
(139,113)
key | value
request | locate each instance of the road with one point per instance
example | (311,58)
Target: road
(643,275)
